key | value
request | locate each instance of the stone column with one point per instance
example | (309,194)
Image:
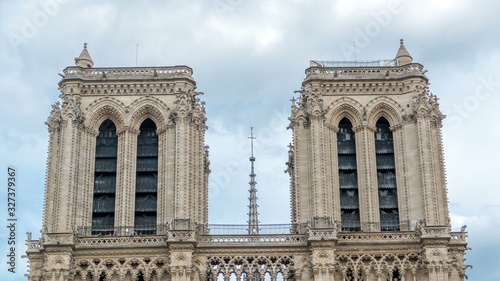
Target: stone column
(85,194)
(333,171)
(182,166)
(406,174)
(301,207)
(331,273)
(125,179)
(54,124)
(367,178)
(431,161)
(164,171)
(320,201)
(181,255)
(323,255)
(434,241)
(63,169)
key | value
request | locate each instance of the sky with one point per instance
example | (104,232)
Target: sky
(248,58)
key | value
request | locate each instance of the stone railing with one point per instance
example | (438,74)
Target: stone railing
(33,245)
(322,234)
(58,238)
(458,237)
(181,235)
(128,72)
(365,72)
(112,241)
(250,239)
(378,236)
(434,231)
(96,231)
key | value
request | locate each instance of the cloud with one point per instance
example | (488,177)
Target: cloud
(248,57)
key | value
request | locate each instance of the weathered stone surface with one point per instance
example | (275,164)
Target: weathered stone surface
(320,245)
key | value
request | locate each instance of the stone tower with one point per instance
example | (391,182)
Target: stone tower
(126,156)
(127,171)
(367,157)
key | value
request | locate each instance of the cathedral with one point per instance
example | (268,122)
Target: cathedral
(126,193)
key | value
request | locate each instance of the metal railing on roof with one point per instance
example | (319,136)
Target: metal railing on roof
(322,63)
(242,229)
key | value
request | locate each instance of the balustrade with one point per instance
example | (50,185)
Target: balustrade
(234,239)
(346,232)
(129,71)
(366,70)
(121,241)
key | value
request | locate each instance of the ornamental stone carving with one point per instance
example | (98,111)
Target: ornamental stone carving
(367,182)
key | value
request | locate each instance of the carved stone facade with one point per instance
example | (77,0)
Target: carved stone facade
(367,182)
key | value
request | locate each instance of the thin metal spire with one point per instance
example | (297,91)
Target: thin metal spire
(136,53)
(253,215)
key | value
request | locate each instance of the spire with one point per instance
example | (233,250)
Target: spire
(84,60)
(253,215)
(403,56)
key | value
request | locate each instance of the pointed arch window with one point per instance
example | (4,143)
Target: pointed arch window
(146,179)
(386,176)
(103,209)
(348,177)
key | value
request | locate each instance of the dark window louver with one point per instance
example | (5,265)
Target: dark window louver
(103,209)
(386,177)
(348,178)
(146,179)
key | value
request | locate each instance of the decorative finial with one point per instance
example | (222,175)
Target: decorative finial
(84,60)
(403,56)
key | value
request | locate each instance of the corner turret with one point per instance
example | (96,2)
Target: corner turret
(84,60)
(403,56)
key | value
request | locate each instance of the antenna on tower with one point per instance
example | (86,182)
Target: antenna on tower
(136,53)
(354,52)
(253,215)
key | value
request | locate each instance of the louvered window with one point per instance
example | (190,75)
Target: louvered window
(146,179)
(386,177)
(348,178)
(103,209)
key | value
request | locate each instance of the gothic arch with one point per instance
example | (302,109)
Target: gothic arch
(109,99)
(159,266)
(57,262)
(35,268)
(180,257)
(301,119)
(348,108)
(366,261)
(149,100)
(155,263)
(144,112)
(109,108)
(437,255)
(84,267)
(140,263)
(134,266)
(391,261)
(347,262)
(323,255)
(414,259)
(104,266)
(199,266)
(384,107)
